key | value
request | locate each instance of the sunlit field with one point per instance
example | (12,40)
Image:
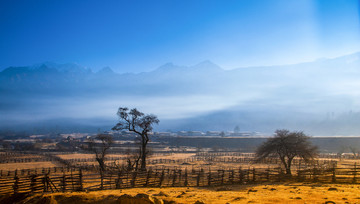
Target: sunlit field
(264,193)
(259,191)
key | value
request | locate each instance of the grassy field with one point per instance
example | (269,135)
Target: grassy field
(27,165)
(264,193)
(245,193)
(180,160)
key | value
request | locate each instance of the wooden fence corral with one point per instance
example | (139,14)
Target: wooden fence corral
(68,180)
(227,157)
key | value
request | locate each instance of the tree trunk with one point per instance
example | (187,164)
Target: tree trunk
(101,163)
(143,156)
(288,166)
(288,171)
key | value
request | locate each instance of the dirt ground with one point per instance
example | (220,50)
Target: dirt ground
(265,193)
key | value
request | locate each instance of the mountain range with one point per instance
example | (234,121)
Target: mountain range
(320,97)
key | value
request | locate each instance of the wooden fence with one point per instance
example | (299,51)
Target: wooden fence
(65,180)
(235,157)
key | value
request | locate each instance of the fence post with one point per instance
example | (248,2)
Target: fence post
(180,176)
(231,176)
(81,188)
(198,179)
(354,178)
(161,177)
(315,173)
(241,175)
(110,180)
(209,177)
(45,187)
(133,180)
(118,180)
(147,178)
(333,178)
(299,176)
(63,183)
(16,183)
(280,175)
(174,178)
(254,174)
(186,178)
(32,183)
(72,179)
(222,176)
(248,174)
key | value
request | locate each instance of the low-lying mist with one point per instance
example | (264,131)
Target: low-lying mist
(319,97)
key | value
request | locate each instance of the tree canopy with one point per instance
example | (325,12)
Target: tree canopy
(139,123)
(287,145)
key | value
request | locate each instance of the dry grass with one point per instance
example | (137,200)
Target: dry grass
(265,193)
(27,165)
(119,159)
(76,156)
(270,193)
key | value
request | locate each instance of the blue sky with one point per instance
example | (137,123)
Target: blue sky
(135,36)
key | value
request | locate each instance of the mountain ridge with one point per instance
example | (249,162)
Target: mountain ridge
(50,91)
(66,67)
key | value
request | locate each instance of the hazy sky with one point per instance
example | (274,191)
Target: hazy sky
(135,36)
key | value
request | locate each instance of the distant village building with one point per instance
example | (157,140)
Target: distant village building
(74,135)
(195,133)
(182,133)
(245,134)
(128,133)
(36,136)
(213,133)
(164,134)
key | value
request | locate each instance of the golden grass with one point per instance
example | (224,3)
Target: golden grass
(264,193)
(76,156)
(269,193)
(27,165)
(173,156)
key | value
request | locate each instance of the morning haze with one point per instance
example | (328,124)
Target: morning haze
(298,96)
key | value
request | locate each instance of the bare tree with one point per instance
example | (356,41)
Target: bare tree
(287,145)
(132,159)
(100,146)
(139,123)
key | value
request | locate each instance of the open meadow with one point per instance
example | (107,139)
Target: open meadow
(195,177)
